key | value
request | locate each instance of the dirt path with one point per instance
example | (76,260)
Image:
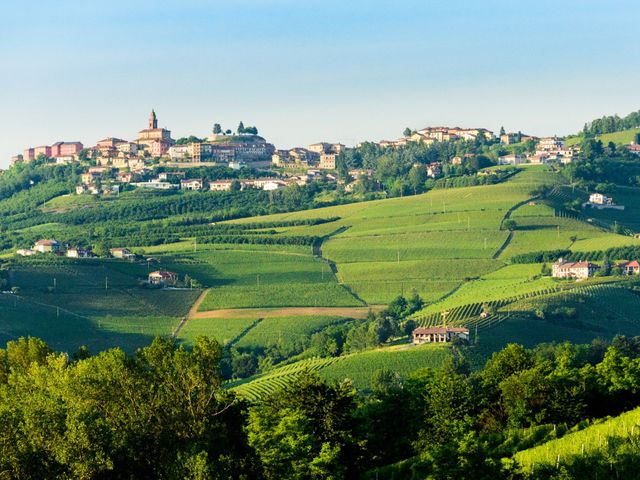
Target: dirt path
(192,312)
(353,312)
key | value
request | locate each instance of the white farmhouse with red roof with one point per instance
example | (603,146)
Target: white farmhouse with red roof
(163,277)
(439,334)
(578,270)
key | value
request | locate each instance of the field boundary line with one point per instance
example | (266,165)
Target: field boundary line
(317,251)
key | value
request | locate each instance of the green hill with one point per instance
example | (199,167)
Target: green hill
(620,138)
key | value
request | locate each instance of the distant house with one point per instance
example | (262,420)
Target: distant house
(434,169)
(192,184)
(121,253)
(46,246)
(220,185)
(630,268)
(163,277)
(600,201)
(25,252)
(513,159)
(439,334)
(578,270)
(327,161)
(77,253)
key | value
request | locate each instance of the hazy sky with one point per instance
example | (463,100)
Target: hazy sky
(305,71)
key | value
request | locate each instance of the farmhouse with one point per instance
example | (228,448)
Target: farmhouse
(77,253)
(630,268)
(600,201)
(46,246)
(439,334)
(163,277)
(579,270)
(192,184)
(121,253)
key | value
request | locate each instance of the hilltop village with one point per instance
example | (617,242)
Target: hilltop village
(154,160)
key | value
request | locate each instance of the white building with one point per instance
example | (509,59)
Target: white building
(577,270)
(512,159)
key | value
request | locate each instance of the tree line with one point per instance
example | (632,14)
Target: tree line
(164,413)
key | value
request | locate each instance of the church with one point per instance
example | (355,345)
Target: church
(153,139)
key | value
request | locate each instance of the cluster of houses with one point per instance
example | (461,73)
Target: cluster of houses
(548,150)
(50,246)
(431,135)
(154,142)
(56,248)
(581,270)
(319,155)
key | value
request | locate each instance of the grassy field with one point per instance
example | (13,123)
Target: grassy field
(242,278)
(224,330)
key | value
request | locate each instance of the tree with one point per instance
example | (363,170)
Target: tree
(407,132)
(307,430)
(502,131)
(240,128)
(510,224)
(417,178)
(217,129)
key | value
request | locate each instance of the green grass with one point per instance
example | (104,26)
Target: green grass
(620,138)
(590,440)
(279,330)
(224,330)
(262,278)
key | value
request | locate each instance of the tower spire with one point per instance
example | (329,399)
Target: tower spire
(153,120)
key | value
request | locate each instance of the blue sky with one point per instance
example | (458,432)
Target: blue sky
(305,71)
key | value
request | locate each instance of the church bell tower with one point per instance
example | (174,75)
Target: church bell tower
(153,120)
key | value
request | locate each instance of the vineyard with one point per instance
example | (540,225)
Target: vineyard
(593,439)
(357,367)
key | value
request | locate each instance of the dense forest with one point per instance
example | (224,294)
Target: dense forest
(164,413)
